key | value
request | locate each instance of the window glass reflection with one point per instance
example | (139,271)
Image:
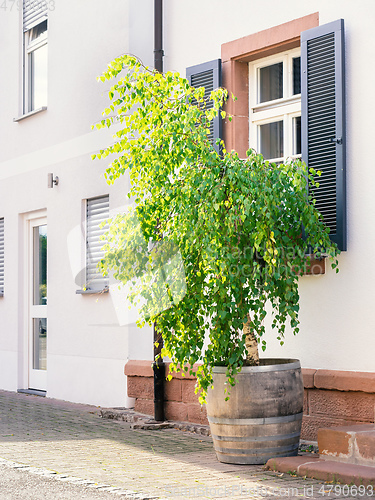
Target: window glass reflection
(40,343)
(271,82)
(38,77)
(271,140)
(297,135)
(36,67)
(40,265)
(296,75)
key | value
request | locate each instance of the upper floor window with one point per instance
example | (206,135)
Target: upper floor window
(275,106)
(35,29)
(296,105)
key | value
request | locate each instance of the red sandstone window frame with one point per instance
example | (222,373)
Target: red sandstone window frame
(236,55)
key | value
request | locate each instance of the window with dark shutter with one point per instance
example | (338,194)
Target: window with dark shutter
(97,211)
(208,75)
(1,257)
(323,121)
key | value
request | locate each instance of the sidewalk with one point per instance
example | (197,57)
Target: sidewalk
(71,439)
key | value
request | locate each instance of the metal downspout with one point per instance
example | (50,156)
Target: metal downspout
(158,35)
(158,365)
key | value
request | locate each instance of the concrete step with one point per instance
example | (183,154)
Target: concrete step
(353,444)
(327,470)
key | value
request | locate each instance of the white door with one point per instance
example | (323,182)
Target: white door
(38,304)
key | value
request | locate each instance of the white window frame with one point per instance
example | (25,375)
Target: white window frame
(285,109)
(29,48)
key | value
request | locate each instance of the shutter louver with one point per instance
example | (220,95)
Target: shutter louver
(34,12)
(323,121)
(97,211)
(1,257)
(208,75)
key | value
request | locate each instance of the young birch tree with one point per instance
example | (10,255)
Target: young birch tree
(212,238)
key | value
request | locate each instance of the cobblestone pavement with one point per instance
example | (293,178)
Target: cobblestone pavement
(71,440)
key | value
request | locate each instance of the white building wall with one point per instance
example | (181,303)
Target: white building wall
(87,348)
(336,310)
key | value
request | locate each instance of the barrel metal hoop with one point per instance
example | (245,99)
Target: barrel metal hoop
(293,365)
(255,421)
(249,439)
(259,451)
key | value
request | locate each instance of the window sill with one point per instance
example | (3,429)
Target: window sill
(33,392)
(31,113)
(92,292)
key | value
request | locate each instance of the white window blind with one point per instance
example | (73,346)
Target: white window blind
(34,12)
(97,211)
(1,256)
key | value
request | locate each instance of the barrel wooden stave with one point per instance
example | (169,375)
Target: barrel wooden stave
(262,418)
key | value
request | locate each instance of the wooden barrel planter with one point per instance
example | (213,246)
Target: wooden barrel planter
(263,416)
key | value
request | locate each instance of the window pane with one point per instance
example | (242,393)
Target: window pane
(271,140)
(40,265)
(296,75)
(40,343)
(38,77)
(38,31)
(271,82)
(297,135)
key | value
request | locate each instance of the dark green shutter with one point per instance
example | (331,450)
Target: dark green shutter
(208,75)
(323,121)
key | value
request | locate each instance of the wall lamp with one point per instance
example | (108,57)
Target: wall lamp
(51,181)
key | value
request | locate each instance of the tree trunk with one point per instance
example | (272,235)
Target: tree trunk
(252,354)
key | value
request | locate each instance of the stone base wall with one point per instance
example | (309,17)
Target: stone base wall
(331,397)
(335,398)
(181,402)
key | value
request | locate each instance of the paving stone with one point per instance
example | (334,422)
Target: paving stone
(71,442)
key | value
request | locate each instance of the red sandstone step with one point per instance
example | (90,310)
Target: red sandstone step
(353,444)
(325,470)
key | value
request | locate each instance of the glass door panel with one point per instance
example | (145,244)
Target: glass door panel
(39,343)
(40,266)
(38,305)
